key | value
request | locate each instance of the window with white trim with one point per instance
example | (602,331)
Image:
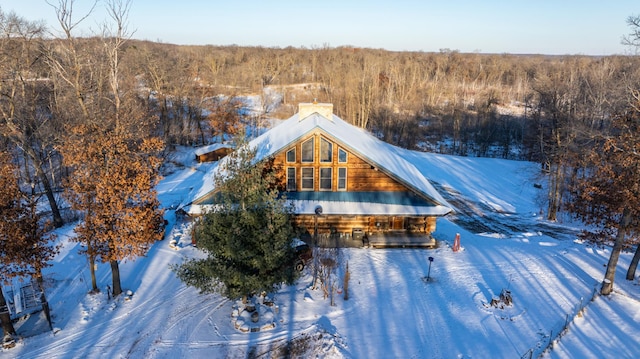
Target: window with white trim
(342,178)
(291,155)
(326,150)
(342,156)
(307,179)
(307,150)
(325,179)
(291,178)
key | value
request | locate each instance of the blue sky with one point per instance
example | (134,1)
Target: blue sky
(589,27)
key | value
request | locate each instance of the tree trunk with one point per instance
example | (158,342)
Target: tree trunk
(92,270)
(55,211)
(115,277)
(555,178)
(5,317)
(43,299)
(631,273)
(607,283)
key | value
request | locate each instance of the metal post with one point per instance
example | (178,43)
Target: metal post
(318,211)
(315,229)
(429,272)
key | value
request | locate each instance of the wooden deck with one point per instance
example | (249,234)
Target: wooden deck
(401,240)
(392,239)
(337,241)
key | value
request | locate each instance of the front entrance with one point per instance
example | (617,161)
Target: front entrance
(397,223)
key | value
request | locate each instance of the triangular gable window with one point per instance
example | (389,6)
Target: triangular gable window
(342,156)
(291,155)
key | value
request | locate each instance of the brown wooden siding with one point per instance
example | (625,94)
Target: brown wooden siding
(214,155)
(361,176)
(328,224)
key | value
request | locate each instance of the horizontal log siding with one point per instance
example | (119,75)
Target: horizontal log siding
(214,155)
(361,176)
(346,224)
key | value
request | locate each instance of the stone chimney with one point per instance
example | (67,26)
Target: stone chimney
(323,109)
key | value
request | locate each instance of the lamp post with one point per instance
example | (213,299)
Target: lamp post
(318,211)
(429,271)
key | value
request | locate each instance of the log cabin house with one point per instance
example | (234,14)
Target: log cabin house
(347,187)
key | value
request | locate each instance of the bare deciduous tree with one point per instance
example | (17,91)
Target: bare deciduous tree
(25,93)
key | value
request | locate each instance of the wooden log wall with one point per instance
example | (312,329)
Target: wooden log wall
(214,155)
(328,224)
(361,176)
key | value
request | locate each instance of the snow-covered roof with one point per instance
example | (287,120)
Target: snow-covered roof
(352,204)
(385,157)
(210,148)
(349,208)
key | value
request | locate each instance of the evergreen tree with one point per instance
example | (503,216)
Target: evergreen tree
(246,235)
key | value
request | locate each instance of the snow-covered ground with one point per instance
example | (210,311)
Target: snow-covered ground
(393,311)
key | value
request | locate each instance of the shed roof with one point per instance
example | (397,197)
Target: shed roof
(210,148)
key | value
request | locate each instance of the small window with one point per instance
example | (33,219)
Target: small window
(342,155)
(307,150)
(291,179)
(307,179)
(326,151)
(325,179)
(342,179)
(291,155)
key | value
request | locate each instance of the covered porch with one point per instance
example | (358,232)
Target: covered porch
(356,219)
(387,239)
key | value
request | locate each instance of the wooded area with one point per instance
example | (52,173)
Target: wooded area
(82,115)
(511,106)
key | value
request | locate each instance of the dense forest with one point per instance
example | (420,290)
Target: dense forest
(511,106)
(465,104)
(92,117)
(527,107)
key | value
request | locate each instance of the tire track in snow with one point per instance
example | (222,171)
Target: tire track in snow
(184,305)
(430,322)
(109,337)
(198,309)
(478,217)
